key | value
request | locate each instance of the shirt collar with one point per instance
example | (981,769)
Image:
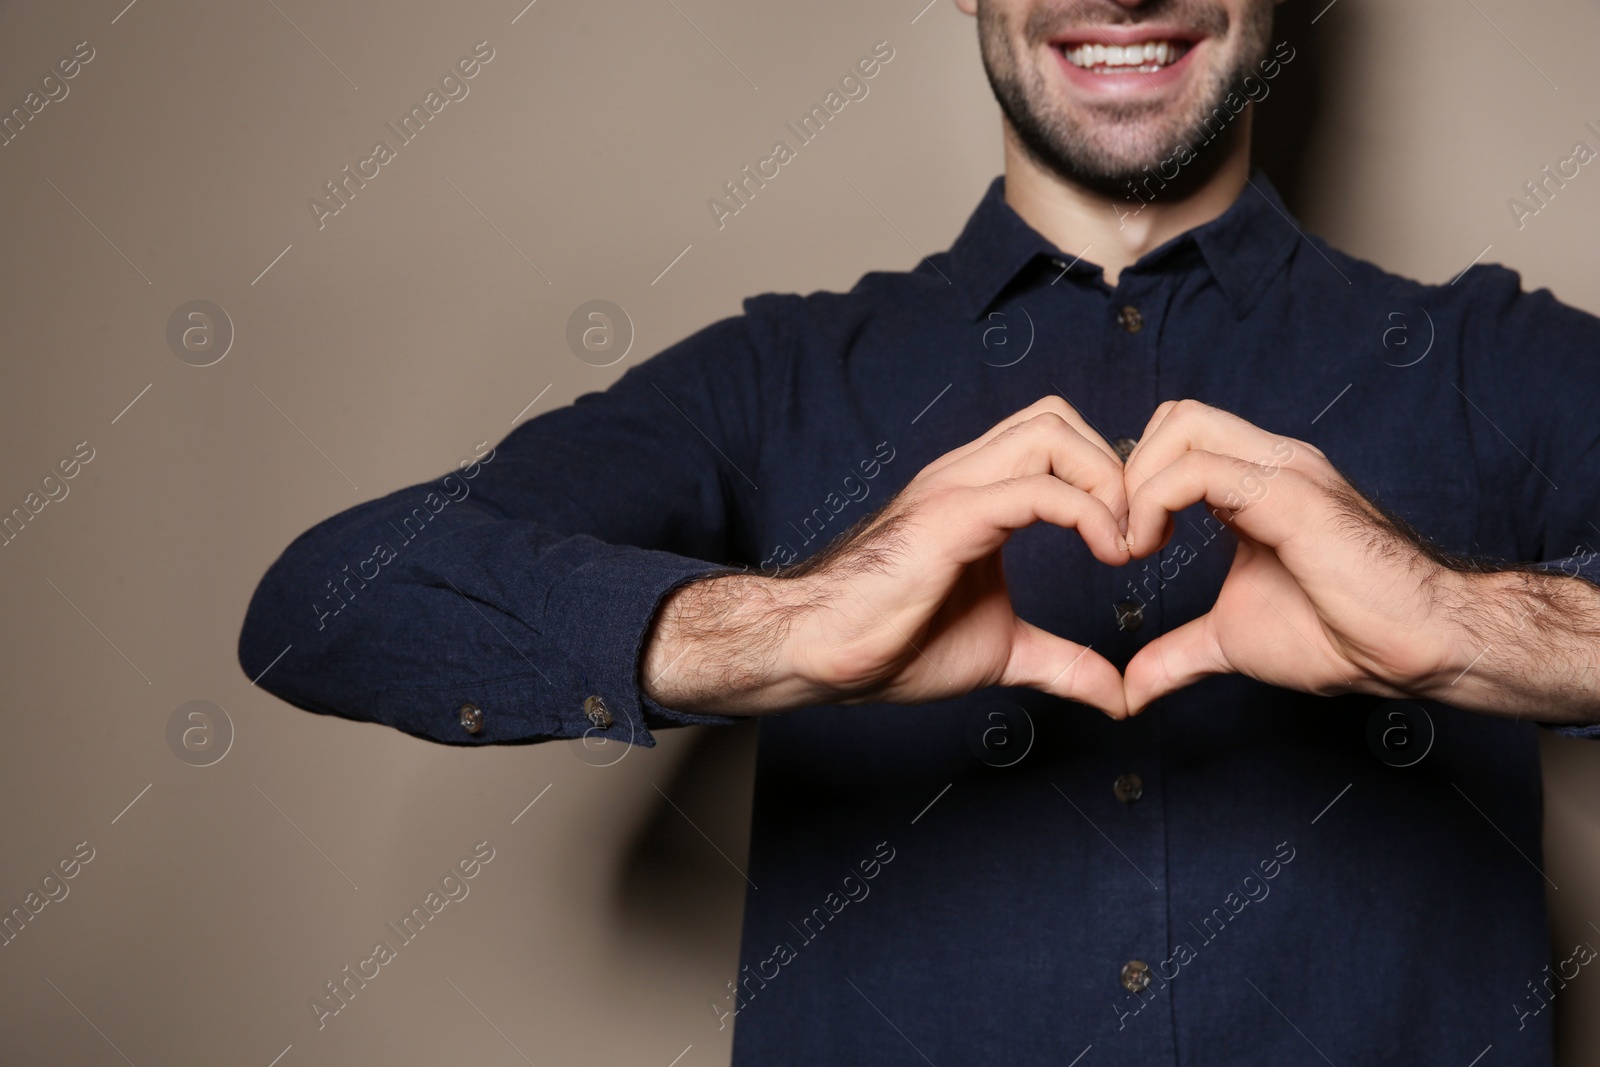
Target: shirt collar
(1243,248)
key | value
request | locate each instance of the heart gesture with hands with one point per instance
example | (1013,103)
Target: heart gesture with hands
(1327,593)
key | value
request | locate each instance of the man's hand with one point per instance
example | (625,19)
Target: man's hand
(1327,594)
(911,605)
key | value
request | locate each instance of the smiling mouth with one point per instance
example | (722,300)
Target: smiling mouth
(1145,57)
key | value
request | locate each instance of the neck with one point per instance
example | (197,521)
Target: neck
(1111,231)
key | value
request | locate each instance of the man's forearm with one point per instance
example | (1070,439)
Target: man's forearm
(1528,645)
(718,647)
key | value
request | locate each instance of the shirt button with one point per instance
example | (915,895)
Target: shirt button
(1130,319)
(1124,447)
(1128,788)
(1130,615)
(598,714)
(471,718)
(1136,976)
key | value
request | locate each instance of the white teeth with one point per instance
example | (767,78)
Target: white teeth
(1148,56)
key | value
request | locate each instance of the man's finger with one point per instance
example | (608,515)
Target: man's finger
(1263,502)
(1176,659)
(1041,660)
(1049,405)
(1045,444)
(1184,425)
(979,519)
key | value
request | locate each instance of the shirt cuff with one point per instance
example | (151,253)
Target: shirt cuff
(600,614)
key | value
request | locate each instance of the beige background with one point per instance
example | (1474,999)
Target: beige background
(415,325)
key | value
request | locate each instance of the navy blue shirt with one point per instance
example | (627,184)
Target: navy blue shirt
(1239,875)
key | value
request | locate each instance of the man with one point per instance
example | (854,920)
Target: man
(1139,444)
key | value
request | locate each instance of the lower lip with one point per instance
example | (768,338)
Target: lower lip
(1130,83)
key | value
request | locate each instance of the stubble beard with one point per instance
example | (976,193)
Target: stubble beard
(1113,145)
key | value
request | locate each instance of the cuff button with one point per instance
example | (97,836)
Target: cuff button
(471,717)
(596,711)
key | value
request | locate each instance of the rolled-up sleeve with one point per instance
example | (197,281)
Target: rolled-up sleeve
(509,600)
